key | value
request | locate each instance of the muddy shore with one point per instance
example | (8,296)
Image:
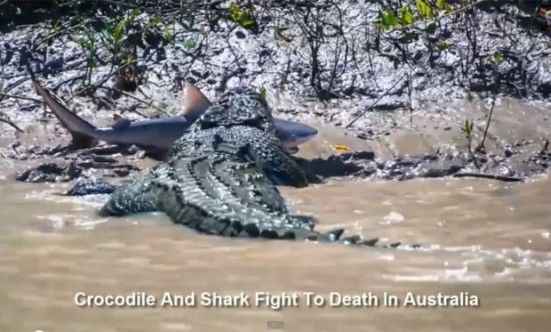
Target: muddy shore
(387,108)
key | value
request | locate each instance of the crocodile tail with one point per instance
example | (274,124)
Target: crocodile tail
(300,227)
(305,221)
(335,236)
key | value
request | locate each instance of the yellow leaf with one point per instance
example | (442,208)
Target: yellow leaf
(341,148)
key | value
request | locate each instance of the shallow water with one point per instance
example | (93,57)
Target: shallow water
(487,238)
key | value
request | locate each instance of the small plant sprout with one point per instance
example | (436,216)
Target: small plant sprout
(262,92)
(467,128)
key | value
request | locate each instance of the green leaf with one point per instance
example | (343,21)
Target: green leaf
(424,9)
(497,57)
(406,16)
(443,45)
(262,92)
(387,19)
(467,128)
(118,31)
(154,21)
(168,36)
(235,12)
(189,43)
(242,16)
(443,4)
(134,14)
(88,43)
(129,59)
(56,26)
(248,23)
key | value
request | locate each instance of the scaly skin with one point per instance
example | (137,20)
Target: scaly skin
(214,185)
(219,178)
(243,117)
(263,148)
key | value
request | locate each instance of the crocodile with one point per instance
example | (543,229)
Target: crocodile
(220,177)
(157,135)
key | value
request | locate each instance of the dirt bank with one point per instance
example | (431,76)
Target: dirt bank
(402,91)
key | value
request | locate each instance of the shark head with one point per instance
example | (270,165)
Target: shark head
(293,134)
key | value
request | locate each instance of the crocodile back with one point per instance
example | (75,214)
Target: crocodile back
(256,146)
(218,189)
(238,106)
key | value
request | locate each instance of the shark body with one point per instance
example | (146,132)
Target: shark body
(157,135)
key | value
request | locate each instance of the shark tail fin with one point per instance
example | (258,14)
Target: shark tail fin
(81,130)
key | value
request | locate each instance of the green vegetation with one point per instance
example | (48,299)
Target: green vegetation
(263,92)
(107,32)
(336,47)
(90,50)
(405,16)
(189,43)
(243,16)
(467,129)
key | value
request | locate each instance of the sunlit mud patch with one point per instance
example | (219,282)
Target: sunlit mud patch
(57,222)
(476,264)
(392,217)
(49,211)
(80,202)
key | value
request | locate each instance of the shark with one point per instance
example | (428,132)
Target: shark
(156,136)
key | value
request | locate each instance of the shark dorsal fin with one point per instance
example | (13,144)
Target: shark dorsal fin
(195,102)
(120,121)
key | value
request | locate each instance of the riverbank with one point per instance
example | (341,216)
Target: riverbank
(405,95)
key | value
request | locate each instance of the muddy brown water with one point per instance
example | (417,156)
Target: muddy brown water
(488,239)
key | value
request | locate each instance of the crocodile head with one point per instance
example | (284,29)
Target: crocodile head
(238,106)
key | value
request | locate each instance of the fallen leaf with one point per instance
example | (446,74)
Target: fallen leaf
(341,148)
